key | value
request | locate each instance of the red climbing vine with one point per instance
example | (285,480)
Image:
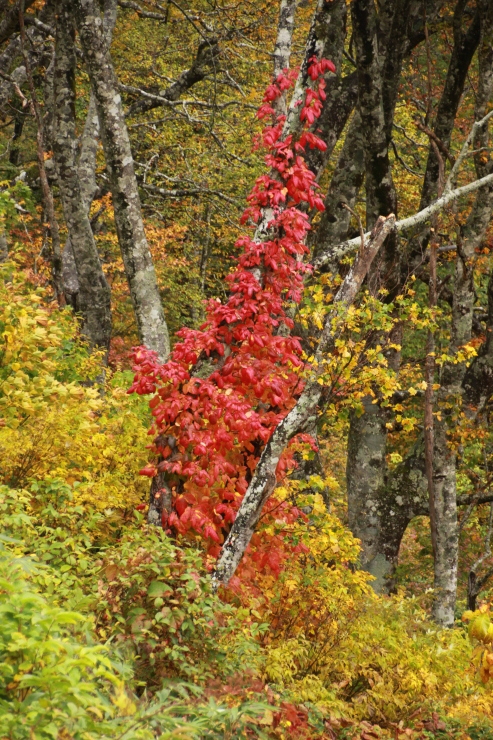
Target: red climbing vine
(228,384)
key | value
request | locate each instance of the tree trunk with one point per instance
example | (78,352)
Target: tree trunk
(377,94)
(137,259)
(452,377)
(93,296)
(88,148)
(301,417)
(344,187)
(465,44)
(282,49)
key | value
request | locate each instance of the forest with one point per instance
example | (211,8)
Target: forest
(246,369)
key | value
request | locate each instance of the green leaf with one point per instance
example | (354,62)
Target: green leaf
(156,588)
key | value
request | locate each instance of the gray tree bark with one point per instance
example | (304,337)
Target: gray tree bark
(10,22)
(88,147)
(378,76)
(452,376)
(4,247)
(139,268)
(93,295)
(344,187)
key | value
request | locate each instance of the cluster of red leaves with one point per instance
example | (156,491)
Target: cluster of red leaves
(211,430)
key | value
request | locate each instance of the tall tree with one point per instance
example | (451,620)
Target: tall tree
(93,294)
(137,259)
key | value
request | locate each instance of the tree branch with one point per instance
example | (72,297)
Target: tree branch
(342,249)
(207,52)
(463,152)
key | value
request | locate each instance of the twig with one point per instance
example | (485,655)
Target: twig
(402,162)
(360,225)
(463,152)
(8,78)
(433,137)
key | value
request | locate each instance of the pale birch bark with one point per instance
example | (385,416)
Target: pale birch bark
(139,268)
(93,294)
(317,42)
(303,415)
(282,49)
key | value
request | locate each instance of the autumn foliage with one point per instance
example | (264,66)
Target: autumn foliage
(229,383)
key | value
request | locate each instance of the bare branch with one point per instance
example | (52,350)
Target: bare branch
(466,500)
(142,13)
(188,193)
(463,152)
(338,251)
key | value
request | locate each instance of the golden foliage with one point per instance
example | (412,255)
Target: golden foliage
(56,422)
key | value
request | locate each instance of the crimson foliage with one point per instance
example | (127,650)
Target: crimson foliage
(210,431)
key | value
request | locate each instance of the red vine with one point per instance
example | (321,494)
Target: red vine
(210,431)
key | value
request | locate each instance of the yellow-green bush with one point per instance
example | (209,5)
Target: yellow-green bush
(53,423)
(334,643)
(57,682)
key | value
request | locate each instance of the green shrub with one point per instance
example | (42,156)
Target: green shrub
(57,682)
(156,598)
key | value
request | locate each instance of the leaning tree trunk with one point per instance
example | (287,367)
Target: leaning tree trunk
(136,255)
(301,417)
(94,296)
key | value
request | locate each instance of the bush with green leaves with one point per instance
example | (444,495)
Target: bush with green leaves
(57,682)
(156,598)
